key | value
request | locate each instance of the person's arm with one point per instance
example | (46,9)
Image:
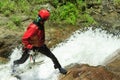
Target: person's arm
(29,33)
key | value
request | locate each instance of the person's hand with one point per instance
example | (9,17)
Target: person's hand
(29,47)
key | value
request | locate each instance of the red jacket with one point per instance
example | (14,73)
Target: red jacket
(33,37)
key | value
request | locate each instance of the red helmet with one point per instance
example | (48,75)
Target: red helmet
(44,14)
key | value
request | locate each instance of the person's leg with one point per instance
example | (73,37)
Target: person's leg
(44,50)
(23,58)
(16,63)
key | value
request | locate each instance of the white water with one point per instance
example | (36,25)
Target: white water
(89,47)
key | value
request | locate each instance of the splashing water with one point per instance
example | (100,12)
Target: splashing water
(89,47)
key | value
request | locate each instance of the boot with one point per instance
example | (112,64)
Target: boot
(63,71)
(14,68)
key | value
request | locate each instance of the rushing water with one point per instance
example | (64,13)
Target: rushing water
(89,47)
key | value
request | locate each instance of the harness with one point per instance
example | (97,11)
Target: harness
(33,56)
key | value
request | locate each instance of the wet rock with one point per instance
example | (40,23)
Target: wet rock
(111,70)
(3,60)
(86,72)
(7,43)
(114,63)
(107,16)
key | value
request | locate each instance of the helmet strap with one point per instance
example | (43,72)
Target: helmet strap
(39,19)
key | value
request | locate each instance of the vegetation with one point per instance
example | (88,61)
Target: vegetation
(117,2)
(64,12)
(67,13)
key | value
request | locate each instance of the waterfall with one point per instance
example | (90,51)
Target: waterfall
(89,47)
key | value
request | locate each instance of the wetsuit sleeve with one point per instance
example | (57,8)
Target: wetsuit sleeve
(26,37)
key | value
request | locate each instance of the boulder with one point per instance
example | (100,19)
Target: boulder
(7,43)
(86,72)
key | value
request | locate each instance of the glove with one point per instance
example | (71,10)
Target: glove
(29,47)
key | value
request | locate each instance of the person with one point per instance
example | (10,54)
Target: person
(34,39)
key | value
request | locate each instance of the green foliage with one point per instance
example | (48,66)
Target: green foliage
(71,11)
(81,5)
(117,2)
(99,1)
(67,13)
(37,1)
(11,25)
(16,20)
(7,7)
(87,19)
(7,12)
(55,3)
(24,6)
